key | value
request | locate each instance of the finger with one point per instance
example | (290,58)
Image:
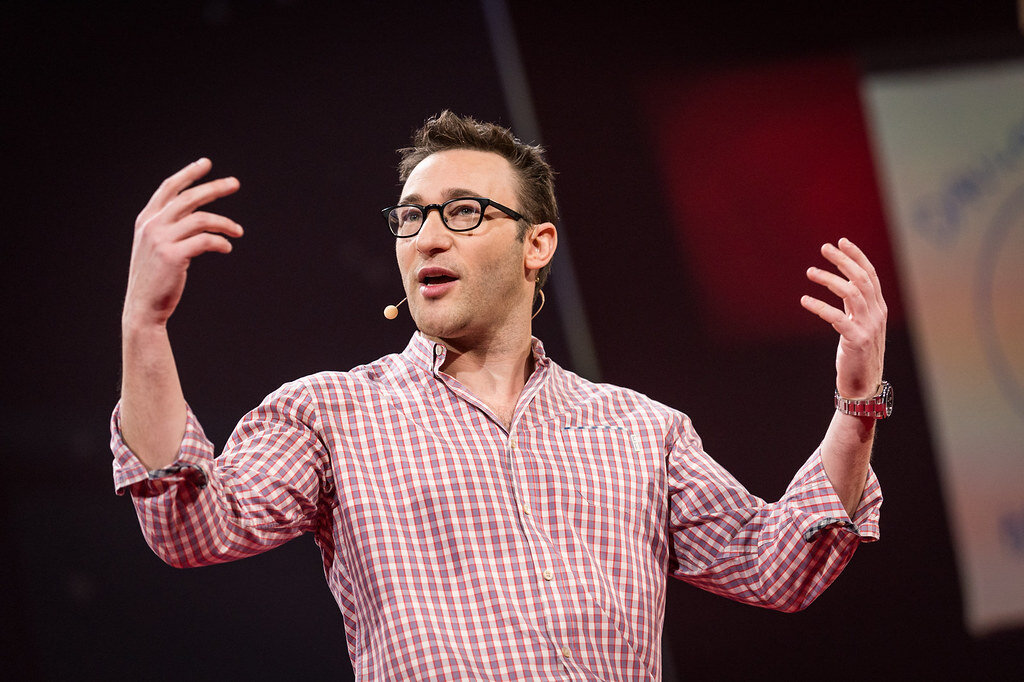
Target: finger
(852,335)
(835,317)
(200,195)
(846,265)
(853,271)
(858,255)
(196,245)
(202,221)
(174,184)
(852,297)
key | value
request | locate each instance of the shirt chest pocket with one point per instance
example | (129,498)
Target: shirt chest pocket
(600,472)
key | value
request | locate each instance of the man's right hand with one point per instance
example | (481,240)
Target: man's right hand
(169,233)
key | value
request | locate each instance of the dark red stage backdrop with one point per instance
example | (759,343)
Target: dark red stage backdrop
(760,162)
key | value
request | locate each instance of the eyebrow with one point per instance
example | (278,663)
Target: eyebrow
(449,193)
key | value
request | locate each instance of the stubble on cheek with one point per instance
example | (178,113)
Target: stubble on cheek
(482,296)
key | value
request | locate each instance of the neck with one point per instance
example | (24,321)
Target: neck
(495,370)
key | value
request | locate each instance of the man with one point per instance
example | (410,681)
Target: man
(482,513)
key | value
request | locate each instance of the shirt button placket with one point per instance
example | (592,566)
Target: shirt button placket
(524,506)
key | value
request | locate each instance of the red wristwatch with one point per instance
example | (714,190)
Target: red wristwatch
(878,406)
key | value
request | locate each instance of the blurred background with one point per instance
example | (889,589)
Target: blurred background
(704,154)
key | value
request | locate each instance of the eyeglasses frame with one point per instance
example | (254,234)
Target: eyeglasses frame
(484,203)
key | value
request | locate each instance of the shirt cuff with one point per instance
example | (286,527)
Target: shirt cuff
(813,495)
(195,458)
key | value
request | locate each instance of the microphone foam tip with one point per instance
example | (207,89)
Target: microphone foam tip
(391,312)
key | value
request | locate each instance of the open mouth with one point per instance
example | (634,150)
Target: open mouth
(435,282)
(437,279)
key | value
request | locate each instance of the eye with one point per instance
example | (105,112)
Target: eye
(409,214)
(466,209)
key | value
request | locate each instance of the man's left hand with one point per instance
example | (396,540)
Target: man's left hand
(861,322)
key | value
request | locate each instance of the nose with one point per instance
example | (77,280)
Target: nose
(433,235)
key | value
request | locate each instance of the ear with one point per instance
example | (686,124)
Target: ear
(539,245)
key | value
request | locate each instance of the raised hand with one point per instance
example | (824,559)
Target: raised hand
(861,322)
(169,233)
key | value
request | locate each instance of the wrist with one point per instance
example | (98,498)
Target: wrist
(876,406)
(861,393)
(136,324)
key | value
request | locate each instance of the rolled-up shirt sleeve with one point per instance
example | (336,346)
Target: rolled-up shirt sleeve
(264,490)
(779,555)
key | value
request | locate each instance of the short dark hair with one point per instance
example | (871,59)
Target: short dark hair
(536,191)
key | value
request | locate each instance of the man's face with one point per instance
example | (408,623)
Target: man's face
(472,284)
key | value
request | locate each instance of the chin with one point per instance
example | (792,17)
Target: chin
(437,324)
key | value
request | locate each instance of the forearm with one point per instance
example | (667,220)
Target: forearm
(190,521)
(262,491)
(152,403)
(169,233)
(846,449)
(780,555)
(846,456)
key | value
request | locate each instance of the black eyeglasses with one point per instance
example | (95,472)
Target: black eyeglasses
(459,215)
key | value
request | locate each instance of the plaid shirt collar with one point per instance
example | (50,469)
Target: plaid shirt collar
(430,354)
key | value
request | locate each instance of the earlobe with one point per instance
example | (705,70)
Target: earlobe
(541,242)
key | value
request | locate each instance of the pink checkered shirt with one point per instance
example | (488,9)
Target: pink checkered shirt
(457,550)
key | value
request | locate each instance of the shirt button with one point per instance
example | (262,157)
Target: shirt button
(566,652)
(526,509)
(548,574)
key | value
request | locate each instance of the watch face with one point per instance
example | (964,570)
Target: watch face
(887,397)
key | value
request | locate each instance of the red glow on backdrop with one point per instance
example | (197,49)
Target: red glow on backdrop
(763,164)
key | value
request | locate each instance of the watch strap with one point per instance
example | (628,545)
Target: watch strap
(878,406)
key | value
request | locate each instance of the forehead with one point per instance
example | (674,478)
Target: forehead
(439,175)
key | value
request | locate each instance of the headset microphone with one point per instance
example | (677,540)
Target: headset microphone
(391,312)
